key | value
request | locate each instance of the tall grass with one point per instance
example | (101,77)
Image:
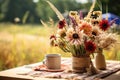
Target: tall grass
(26,44)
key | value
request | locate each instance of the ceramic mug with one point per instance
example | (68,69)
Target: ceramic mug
(52,61)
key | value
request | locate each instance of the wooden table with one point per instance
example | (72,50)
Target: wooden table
(24,72)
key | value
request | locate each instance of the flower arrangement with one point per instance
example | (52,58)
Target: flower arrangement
(82,36)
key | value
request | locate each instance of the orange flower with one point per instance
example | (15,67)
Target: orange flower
(86,27)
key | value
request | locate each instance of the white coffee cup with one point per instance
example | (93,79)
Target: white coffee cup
(52,61)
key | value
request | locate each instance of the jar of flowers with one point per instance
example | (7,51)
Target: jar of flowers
(81,37)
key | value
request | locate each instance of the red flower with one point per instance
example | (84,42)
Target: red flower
(104,25)
(53,37)
(90,46)
(61,24)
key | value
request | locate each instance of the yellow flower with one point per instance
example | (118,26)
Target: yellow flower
(61,33)
(73,13)
(95,22)
(96,31)
(75,16)
(96,15)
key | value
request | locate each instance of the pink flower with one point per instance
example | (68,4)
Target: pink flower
(104,25)
(74,37)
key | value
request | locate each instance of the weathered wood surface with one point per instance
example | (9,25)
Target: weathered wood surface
(26,73)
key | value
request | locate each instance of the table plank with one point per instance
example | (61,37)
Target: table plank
(115,76)
(11,74)
(14,74)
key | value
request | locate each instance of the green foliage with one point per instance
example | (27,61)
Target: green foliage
(11,9)
(17,8)
(113,6)
(44,10)
(25,17)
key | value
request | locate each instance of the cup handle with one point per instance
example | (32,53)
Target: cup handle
(44,62)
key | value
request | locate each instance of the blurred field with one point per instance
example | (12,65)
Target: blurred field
(25,44)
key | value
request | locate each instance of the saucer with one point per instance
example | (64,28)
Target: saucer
(44,68)
(55,70)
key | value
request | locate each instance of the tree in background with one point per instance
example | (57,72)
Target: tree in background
(10,9)
(44,10)
(111,6)
(17,8)
(30,12)
(114,6)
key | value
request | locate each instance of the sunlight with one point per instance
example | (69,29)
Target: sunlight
(35,1)
(82,1)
